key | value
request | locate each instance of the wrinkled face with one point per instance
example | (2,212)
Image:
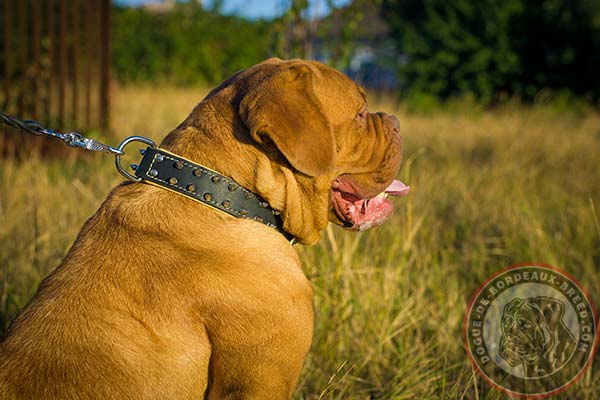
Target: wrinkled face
(315,120)
(368,155)
(525,337)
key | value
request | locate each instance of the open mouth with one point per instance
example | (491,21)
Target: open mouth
(359,213)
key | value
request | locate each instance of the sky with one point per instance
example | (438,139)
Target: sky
(255,9)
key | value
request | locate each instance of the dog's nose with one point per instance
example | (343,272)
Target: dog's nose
(391,121)
(396,127)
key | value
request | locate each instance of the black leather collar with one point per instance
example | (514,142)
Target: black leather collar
(197,182)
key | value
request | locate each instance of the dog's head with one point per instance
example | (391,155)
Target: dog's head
(306,143)
(531,329)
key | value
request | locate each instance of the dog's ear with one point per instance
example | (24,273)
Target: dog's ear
(552,309)
(282,108)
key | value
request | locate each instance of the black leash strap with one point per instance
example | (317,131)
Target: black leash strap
(28,126)
(73,139)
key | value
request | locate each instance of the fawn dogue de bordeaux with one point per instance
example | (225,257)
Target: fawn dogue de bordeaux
(162,297)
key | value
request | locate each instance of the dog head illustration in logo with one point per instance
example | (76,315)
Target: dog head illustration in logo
(535,336)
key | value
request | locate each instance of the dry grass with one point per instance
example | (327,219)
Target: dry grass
(488,190)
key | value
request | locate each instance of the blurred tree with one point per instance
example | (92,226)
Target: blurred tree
(187,45)
(293,33)
(346,27)
(296,33)
(490,47)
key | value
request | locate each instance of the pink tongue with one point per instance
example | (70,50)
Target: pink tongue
(397,188)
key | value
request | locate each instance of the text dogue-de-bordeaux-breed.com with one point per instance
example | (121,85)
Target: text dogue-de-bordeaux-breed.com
(162,297)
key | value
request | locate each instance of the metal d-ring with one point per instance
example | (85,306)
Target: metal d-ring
(121,147)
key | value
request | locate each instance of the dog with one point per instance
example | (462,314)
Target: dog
(535,336)
(161,297)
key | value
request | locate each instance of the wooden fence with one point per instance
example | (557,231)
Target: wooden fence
(55,62)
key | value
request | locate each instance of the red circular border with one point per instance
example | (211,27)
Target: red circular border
(555,391)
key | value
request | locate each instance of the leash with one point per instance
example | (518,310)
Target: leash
(172,172)
(72,139)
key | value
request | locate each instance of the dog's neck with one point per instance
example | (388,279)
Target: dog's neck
(199,138)
(189,179)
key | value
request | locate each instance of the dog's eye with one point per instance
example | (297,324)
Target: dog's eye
(524,325)
(362,114)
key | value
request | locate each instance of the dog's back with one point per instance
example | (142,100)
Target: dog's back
(97,327)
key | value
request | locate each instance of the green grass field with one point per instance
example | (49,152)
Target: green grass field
(489,189)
